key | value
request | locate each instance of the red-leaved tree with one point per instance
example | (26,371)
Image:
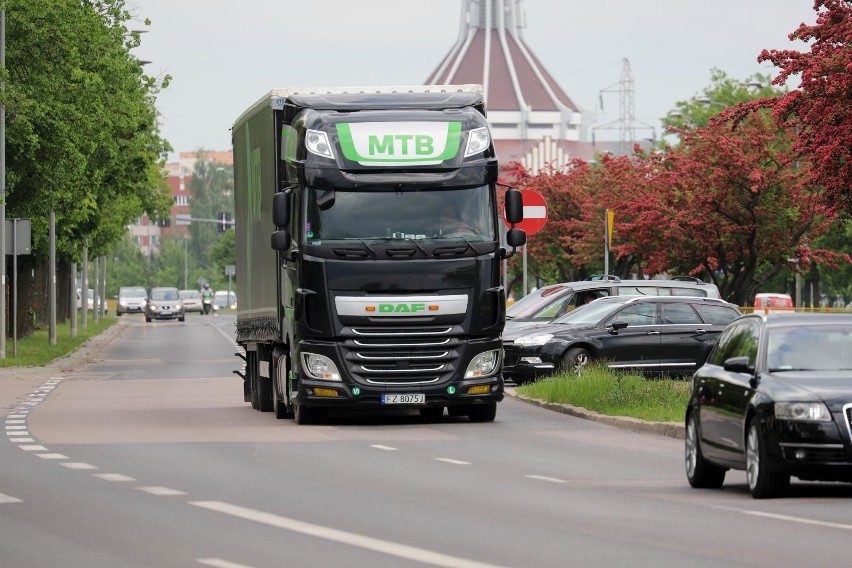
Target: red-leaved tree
(819,111)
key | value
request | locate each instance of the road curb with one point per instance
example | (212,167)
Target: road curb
(668,429)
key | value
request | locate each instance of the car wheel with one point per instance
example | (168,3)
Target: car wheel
(699,472)
(482,412)
(182,318)
(307,415)
(575,360)
(432,413)
(147,319)
(762,483)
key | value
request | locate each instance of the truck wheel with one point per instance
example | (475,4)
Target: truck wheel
(307,415)
(279,400)
(482,412)
(264,393)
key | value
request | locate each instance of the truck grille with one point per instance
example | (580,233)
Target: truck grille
(398,356)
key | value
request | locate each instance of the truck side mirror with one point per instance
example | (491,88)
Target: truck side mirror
(281,210)
(514,206)
(516,238)
(280,240)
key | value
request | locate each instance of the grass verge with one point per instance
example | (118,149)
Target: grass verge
(36,351)
(614,393)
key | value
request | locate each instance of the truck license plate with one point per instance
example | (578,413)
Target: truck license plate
(403,398)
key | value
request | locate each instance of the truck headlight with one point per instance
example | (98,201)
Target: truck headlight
(532,340)
(483,364)
(317,143)
(320,367)
(802,411)
(477,141)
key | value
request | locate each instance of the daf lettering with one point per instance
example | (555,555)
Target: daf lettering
(399,308)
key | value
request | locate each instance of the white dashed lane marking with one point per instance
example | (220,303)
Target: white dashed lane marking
(8,499)
(161,491)
(545,478)
(33,448)
(114,477)
(219,563)
(52,456)
(381,447)
(452,461)
(78,465)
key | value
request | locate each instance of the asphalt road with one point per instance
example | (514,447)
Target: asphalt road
(146,455)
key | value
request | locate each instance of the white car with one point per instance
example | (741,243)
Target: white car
(131,299)
(91,302)
(222,300)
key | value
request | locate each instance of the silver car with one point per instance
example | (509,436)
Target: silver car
(131,299)
(191,301)
(164,303)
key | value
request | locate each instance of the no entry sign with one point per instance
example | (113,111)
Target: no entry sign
(535,212)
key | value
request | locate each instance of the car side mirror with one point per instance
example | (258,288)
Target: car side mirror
(738,365)
(616,325)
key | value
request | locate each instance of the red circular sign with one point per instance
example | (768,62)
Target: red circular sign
(535,212)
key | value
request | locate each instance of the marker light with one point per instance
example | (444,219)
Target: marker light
(317,143)
(320,367)
(477,141)
(479,389)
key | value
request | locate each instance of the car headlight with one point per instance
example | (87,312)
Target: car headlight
(802,411)
(122,303)
(177,306)
(531,340)
(483,364)
(320,367)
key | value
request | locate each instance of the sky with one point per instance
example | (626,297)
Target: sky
(224,55)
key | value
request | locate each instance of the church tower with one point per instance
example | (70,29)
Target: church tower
(525,105)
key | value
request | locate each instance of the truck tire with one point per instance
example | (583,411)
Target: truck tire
(264,394)
(279,399)
(482,412)
(307,415)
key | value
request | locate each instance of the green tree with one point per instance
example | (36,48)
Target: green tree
(223,253)
(82,138)
(212,188)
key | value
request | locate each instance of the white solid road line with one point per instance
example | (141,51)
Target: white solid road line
(799,520)
(218,563)
(343,537)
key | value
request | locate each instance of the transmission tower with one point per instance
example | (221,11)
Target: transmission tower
(626,124)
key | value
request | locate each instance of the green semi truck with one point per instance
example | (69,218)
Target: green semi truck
(369,246)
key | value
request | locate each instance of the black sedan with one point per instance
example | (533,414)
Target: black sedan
(775,399)
(654,335)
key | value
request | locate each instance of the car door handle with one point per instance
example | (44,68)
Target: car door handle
(653,333)
(700,331)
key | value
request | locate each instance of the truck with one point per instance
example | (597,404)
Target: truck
(369,247)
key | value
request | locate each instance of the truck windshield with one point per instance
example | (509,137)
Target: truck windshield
(423,214)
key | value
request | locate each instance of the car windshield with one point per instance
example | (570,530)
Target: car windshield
(133,292)
(589,314)
(530,304)
(164,294)
(814,348)
(333,216)
(190,294)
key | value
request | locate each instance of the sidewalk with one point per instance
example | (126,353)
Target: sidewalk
(16,383)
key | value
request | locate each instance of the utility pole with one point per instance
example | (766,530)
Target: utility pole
(3,193)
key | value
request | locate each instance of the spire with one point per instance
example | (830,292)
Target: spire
(524,101)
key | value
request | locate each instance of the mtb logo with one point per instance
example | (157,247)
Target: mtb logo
(399,143)
(398,308)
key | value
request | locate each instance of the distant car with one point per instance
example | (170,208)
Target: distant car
(191,301)
(222,300)
(768,302)
(131,299)
(653,335)
(550,302)
(164,303)
(774,399)
(91,301)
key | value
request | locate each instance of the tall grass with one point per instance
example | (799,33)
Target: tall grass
(36,350)
(614,393)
